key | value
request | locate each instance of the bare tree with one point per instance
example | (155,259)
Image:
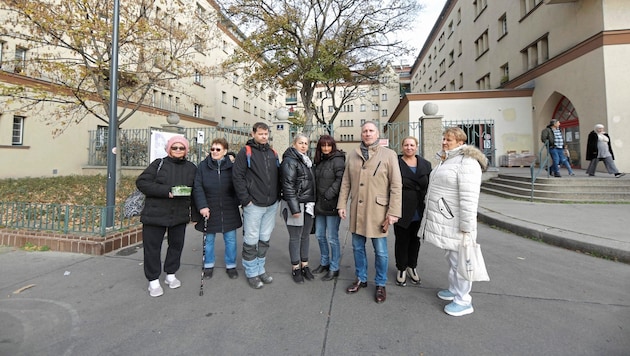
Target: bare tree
(339,44)
(64,48)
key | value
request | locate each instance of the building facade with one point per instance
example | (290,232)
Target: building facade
(212,99)
(569,55)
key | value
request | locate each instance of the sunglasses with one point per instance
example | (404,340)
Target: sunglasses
(178,148)
(216,149)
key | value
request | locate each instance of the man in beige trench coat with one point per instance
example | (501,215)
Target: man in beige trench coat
(373,184)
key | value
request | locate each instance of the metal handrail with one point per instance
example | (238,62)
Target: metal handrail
(544,164)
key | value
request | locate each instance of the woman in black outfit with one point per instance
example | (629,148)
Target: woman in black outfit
(415,177)
(329,166)
(165,213)
(298,204)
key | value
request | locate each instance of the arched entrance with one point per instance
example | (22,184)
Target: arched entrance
(570,126)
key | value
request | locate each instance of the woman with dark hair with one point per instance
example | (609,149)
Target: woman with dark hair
(329,166)
(216,200)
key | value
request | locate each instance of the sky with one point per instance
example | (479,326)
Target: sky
(422,27)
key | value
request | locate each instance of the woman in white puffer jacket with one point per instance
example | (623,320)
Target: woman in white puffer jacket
(451,210)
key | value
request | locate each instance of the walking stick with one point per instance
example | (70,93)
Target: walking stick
(203,258)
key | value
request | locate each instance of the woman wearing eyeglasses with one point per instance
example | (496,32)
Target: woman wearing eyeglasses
(166,210)
(215,197)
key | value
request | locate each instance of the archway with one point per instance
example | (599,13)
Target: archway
(570,125)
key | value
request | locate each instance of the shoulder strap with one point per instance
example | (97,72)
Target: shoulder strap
(248,153)
(160,165)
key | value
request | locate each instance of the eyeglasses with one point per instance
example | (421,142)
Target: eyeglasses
(178,148)
(216,149)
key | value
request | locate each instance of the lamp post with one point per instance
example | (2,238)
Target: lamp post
(113,123)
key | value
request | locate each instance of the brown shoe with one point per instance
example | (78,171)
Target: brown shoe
(354,287)
(381,295)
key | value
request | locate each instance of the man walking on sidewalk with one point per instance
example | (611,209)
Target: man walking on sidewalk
(552,135)
(256,181)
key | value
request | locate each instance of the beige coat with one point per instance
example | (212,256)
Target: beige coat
(374,188)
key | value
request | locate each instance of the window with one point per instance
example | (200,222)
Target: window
(451,58)
(451,85)
(235,79)
(347,108)
(247,106)
(459,48)
(374,107)
(331,108)
(505,73)
(347,123)
(197,112)
(198,77)
(536,53)
(18,131)
(442,67)
(20,59)
(502,26)
(461,80)
(384,113)
(441,40)
(224,97)
(450,29)
(256,111)
(375,92)
(234,123)
(101,136)
(384,97)
(479,6)
(198,45)
(459,16)
(1,51)
(528,6)
(484,82)
(235,102)
(481,44)
(363,107)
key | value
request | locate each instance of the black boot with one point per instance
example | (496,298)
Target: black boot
(321,269)
(330,275)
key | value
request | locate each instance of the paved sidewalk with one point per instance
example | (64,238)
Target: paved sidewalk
(598,229)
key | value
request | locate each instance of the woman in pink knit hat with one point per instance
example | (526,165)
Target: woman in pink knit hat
(166,210)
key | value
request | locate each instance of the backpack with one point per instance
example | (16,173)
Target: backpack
(248,153)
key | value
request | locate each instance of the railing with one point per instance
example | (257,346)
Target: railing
(62,218)
(543,164)
(135,144)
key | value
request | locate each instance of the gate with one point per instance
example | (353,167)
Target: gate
(480,134)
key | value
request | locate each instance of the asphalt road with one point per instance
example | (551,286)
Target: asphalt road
(541,300)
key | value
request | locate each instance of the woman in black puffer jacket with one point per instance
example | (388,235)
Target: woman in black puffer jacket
(298,203)
(165,213)
(329,166)
(216,200)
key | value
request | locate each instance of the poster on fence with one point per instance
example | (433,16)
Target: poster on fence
(158,143)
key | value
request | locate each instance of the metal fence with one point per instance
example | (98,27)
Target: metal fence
(135,144)
(480,134)
(62,218)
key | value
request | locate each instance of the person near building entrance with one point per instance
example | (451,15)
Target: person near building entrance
(415,172)
(552,135)
(165,212)
(373,184)
(451,211)
(598,148)
(256,178)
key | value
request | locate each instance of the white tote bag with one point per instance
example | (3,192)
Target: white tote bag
(470,261)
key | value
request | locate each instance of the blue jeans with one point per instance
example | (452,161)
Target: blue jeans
(380,257)
(557,154)
(258,223)
(328,226)
(229,237)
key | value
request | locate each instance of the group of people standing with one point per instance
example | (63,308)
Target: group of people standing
(378,187)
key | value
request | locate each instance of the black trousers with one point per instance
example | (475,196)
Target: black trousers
(152,238)
(407,245)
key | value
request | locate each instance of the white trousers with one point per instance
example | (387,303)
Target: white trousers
(457,284)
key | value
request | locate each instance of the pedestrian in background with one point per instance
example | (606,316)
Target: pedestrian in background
(451,211)
(552,135)
(598,148)
(215,197)
(415,172)
(329,166)
(372,183)
(165,213)
(298,204)
(256,178)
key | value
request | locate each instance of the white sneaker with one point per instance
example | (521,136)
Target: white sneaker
(156,292)
(172,283)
